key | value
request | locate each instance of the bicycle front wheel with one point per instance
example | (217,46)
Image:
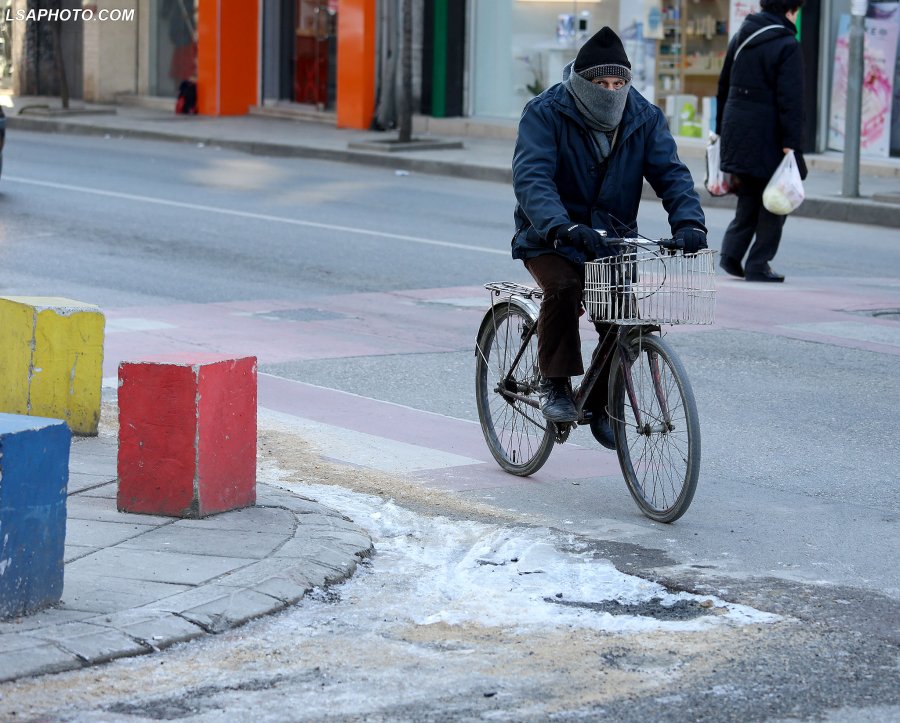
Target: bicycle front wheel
(654,416)
(519,437)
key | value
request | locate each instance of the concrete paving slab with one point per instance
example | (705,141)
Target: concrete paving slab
(103,509)
(209,541)
(106,491)
(155,629)
(18,641)
(80,482)
(172,567)
(98,594)
(98,645)
(253,519)
(42,620)
(41,659)
(231,610)
(97,533)
(260,574)
(74,552)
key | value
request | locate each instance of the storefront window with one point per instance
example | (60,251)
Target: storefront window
(173,38)
(315,52)
(880,123)
(520,48)
(6,64)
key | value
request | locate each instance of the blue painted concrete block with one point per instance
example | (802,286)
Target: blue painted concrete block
(34,475)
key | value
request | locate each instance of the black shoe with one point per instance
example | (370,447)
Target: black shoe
(731,266)
(556,400)
(602,430)
(765,275)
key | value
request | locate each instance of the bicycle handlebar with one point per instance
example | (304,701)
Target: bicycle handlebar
(670,244)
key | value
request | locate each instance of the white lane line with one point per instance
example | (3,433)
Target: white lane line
(366,450)
(255,216)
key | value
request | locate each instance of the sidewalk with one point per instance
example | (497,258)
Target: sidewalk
(138,583)
(486,156)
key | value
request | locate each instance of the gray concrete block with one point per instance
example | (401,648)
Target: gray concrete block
(97,645)
(74,552)
(44,658)
(80,482)
(172,567)
(156,629)
(41,620)
(107,491)
(97,533)
(112,594)
(18,641)
(210,541)
(249,519)
(228,611)
(82,507)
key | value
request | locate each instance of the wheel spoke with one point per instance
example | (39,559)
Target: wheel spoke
(659,456)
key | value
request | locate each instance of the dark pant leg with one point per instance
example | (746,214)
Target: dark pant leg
(597,400)
(740,231)
(559,342)
(768,236)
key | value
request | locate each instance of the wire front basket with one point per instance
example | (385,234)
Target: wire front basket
(647,286)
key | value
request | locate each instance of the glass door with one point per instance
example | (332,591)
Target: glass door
(315,52)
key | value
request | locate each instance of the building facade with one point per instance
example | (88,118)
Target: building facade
(340,60)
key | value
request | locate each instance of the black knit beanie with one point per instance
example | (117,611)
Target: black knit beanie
(603,55)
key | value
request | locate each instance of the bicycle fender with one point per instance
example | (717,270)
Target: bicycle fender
(526,306)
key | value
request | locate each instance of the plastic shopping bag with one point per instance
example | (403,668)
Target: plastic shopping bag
(784,193)
(717,182)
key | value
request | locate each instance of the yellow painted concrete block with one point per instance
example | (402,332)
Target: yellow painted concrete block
(51,359)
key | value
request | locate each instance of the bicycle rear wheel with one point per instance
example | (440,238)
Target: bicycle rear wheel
(657,429)
(516,433)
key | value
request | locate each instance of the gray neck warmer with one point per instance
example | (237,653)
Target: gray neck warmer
(602,109)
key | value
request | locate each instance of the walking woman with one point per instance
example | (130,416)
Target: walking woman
(759,118)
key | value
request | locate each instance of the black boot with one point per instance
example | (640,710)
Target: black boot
(602,430)
(556,400)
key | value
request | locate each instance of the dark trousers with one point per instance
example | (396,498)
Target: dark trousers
(752,218)
(559,339)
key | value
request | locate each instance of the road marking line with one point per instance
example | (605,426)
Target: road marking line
(256,216)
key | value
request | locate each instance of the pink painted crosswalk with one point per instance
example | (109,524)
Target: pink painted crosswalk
(443,451)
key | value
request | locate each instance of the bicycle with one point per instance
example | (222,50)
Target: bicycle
(651,404)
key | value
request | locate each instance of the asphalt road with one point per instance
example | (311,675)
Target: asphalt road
(797,510)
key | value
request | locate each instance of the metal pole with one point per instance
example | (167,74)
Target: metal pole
(853,113)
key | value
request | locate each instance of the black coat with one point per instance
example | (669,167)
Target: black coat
(559,179)
(759,104)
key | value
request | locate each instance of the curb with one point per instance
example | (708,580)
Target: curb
(323,551)
(856,211)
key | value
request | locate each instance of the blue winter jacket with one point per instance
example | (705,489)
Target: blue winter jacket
(559,180)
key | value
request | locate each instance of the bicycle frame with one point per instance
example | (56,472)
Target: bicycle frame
(615,340)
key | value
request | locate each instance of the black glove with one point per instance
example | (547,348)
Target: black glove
(690,240)
(584,239)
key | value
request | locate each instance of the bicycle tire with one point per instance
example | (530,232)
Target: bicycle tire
(518,436)
(661,463)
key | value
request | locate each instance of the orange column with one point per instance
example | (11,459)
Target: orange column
(227,56)
(356,63)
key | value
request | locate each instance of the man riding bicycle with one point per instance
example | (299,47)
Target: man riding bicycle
(583,149)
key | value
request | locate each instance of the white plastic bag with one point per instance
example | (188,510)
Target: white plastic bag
(784,193)
(717,182)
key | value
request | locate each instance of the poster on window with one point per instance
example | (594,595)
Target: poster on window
(880,53)
(738,11)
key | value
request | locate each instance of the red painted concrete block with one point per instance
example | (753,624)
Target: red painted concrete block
(187,435)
